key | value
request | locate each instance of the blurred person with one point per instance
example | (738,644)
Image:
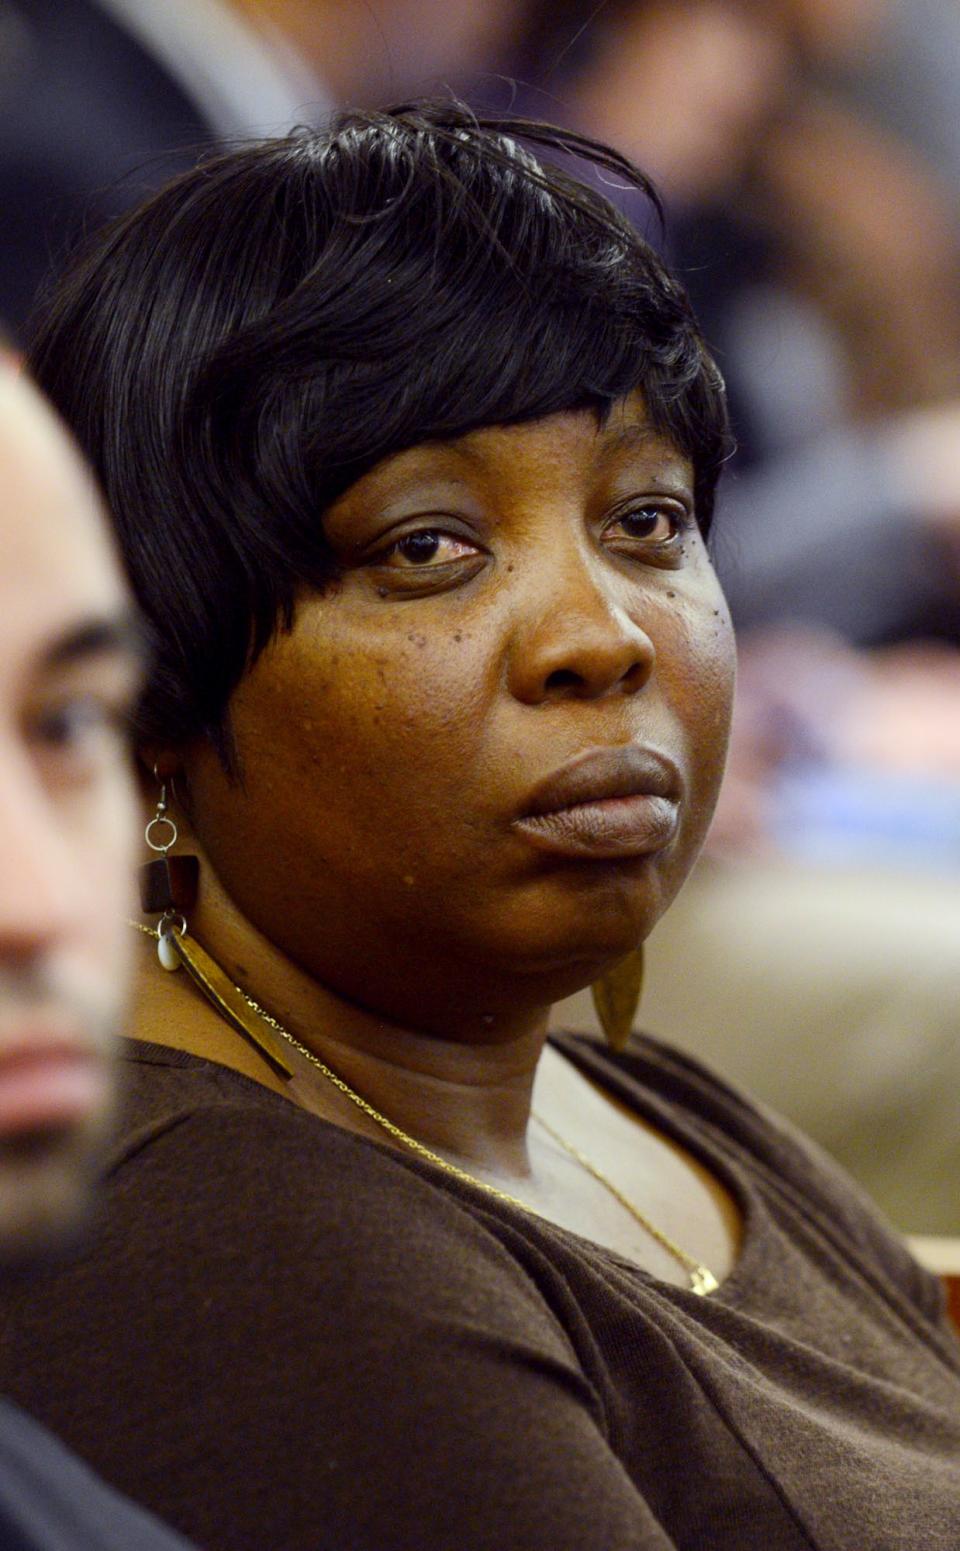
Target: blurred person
(844,182)
(877,561)
(101,100)
(897,61)
(391,48)
(70,667)
(691,81)
(411,444)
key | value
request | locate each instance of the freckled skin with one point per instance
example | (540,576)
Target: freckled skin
(389,740)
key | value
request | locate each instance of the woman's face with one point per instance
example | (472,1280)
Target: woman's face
(480,766)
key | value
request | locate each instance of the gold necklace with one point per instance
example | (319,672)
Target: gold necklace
(702,1280)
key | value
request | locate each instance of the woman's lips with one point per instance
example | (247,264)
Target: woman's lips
(608,802)
(610,827)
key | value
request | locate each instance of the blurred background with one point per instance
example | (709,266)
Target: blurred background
(808,152)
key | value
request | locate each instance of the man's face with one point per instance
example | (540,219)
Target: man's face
(69,669)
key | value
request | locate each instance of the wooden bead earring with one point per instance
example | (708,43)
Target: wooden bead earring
(168,884)
(168,888)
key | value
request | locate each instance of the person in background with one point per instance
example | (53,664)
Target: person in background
(102,100)
(70,670)
(383,49)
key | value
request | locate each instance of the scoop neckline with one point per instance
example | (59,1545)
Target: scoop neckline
(754,1216)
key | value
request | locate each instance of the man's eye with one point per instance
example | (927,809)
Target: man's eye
(428,547)
(79,727)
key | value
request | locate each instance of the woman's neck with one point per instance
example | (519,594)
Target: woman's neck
(465,1098)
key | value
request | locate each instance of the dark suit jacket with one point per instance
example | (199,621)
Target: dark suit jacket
(49,1501)
(89,123)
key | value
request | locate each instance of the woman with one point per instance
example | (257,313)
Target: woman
(412,447)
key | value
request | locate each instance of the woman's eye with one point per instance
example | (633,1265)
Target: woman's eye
(427,547)
(651,524)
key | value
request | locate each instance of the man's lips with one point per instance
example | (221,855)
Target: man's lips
(606,803)
(48,1081)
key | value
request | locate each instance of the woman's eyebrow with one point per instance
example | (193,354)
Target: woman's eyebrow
(672,465)
(120,634)
(615,437)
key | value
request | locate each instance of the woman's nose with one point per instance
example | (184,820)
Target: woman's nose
(576,640)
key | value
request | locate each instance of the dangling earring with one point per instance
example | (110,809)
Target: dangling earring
(616,996)
(168,884)
(168,888)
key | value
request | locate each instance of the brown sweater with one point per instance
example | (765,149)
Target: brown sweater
(284,1337)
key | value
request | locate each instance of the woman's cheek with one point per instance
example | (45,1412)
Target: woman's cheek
(699,664)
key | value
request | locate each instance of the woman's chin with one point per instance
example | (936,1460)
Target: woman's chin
(563,970)
(576,939)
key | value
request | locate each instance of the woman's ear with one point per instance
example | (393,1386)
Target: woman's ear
(161,765)
(158,761)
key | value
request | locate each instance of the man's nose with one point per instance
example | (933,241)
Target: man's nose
(39,889)
(575,636)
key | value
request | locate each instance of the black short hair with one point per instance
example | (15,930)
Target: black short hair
(235,352)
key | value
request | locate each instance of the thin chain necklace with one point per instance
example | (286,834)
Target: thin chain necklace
(702,1280)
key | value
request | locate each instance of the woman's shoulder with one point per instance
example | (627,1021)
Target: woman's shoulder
(803,1183)
(199,1144)
(190,1124)
(202,1124)
(279,1292)
(683,1089)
